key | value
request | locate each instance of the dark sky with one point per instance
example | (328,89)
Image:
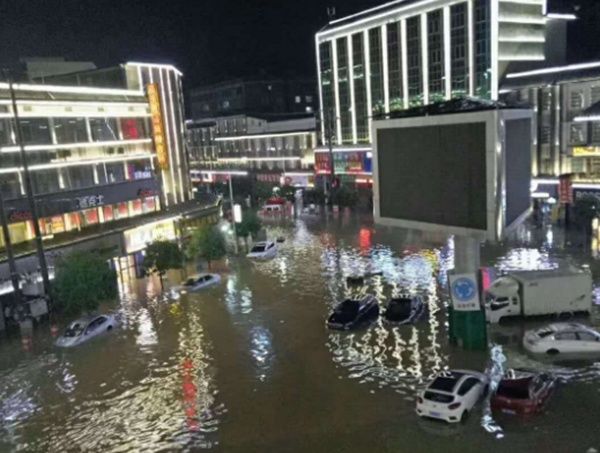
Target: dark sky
(209,40)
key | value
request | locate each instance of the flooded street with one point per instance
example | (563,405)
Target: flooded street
(249,366)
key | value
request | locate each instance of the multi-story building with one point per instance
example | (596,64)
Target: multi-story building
(94,153)
(253,97)
(407,53)
(264,149)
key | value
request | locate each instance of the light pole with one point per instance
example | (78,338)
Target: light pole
(235,239)
(29,188)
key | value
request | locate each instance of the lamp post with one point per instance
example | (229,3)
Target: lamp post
(235,239)
(28,187)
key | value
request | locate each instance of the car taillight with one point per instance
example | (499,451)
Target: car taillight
(454,406)
(420,400)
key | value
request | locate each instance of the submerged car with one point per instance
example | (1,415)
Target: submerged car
(563,338)
(451,395)
(199,281)
(353,313)
(523,392)
(85,329)
(263,250)
(403,310)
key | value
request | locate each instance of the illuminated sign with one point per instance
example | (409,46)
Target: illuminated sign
(582,151)
(158,126)
(137,238)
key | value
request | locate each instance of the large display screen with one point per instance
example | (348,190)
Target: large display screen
(434,174)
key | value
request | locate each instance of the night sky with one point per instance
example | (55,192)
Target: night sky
(208,40)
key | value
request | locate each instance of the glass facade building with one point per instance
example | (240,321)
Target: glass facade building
(416,52)
(90,150)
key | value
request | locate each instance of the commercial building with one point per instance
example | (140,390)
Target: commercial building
(408,53)
(276,151)
(253,96)
(101,145)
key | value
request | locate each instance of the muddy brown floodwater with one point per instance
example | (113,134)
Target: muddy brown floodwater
(249,366)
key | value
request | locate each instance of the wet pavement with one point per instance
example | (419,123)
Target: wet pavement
(249,366)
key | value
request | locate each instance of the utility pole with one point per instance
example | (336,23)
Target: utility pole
(29,188)
(329,131)
(12,266)
(235,238)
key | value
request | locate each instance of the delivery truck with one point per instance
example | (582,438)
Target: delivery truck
(537,293)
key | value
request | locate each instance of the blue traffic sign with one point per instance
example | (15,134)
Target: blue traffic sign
(464,289)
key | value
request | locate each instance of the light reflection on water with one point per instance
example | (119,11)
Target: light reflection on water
(211,370)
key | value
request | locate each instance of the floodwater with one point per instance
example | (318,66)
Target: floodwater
(249,366)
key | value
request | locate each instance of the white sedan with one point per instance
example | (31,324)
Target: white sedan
(85,329)
(452,395)
(263,250)
(198,282)
(562,338)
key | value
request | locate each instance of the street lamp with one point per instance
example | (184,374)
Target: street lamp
(235,241)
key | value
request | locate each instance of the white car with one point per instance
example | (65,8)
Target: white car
(85,329)
(198,282)
(451,395)
(562,338)
(263,250)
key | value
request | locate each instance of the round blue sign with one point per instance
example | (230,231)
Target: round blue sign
(463,289)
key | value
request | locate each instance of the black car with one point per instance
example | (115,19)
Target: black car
(403,310)
(353,313)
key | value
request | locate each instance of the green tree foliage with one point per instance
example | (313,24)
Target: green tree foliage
(162,255)
(250,224)
(586,208)
(262,190)
(288,192)
(207,243)
(82,281)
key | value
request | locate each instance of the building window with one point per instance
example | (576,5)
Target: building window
(360,88)
(483,82)
(413,50)
(435,46)
(326,86)
(344,90)
(70,130)
(576,101)
(545,132)
(577,134)
(298,99)
(44,181)
(394,66)
(595,132)
(6,137)
(104,129)
(35,131)
(376,68)
(79,176)
(595,94)
(10,185)
(309,99)
(546,100)
(134,128)
(459,36)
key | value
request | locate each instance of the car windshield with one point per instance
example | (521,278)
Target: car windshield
(514,388)
(438,397)
(445,383)
(258,249)
(189,282)
(544,333)
(346,311)
(74,330)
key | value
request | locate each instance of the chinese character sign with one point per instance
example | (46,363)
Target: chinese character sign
(464,292)
(89,201)
(158,126)
(565,189)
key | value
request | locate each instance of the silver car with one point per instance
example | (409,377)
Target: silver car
(86,328)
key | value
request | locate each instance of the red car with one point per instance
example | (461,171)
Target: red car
(523,392)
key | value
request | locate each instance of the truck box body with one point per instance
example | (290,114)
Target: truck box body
(554,291)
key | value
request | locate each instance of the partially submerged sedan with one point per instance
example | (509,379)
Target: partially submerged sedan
(198,282)
(263,250)
(403,310)
(85,329)
(523,392)
(563,338)
(353,313)
(451,395)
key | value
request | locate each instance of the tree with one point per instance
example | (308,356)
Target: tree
(82,281)
(262,190)
(208,243)
(162,255)
(250,225)
(288,192)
